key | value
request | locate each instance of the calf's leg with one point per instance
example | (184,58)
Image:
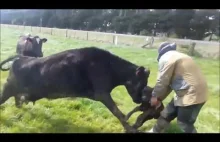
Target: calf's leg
(142,118)
(132,112)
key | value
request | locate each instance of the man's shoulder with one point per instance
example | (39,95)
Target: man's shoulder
(170,58)
(173,55)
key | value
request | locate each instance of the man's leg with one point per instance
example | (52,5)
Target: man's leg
(167,115)
(187,116)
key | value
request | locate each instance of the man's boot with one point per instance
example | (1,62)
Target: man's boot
(186,127)
(160,126)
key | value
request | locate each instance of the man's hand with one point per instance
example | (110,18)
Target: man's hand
(154,101)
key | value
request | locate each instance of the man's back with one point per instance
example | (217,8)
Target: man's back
(188,82)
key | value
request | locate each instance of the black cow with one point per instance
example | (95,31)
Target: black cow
(87,72)
(149,112)
(28,45)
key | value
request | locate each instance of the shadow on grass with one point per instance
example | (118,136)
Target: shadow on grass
(45,124)
(61,125)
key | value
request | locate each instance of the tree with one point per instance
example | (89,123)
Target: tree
(181,21)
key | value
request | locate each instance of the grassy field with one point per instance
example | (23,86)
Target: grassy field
(86,116)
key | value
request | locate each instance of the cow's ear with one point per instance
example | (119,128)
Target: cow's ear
(44,40)
(139,70)
(29,39)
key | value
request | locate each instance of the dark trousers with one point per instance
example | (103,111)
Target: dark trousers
(186,117)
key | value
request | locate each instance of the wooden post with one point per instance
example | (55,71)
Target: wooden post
(66,32)
(113,39)
(192,48)
(116,40)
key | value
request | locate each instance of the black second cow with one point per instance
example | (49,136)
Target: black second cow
(28,45)
(86,72)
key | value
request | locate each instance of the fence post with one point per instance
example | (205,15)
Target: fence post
(115,39)
(66,33)
(192,48)
(51,31)
(87,36)
(31,28)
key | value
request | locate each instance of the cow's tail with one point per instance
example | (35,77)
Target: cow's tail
(7,60)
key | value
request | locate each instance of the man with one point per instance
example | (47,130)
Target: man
(178,72)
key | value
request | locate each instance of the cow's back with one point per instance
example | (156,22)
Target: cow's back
(55,73)
(65,72)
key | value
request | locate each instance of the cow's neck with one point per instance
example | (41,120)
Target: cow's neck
(127,74)
(124,71)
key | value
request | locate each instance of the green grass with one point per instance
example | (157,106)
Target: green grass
(87,116)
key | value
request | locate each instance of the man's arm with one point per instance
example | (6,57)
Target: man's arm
(162,87)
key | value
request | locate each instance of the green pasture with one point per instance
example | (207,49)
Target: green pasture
(87,116)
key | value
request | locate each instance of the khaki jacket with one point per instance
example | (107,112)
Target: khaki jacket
(178,72)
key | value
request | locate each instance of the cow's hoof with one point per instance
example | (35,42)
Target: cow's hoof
(18,106)
(135,127)
(132,131)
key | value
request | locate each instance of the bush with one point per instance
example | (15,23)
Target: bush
(189,50)
(173,35)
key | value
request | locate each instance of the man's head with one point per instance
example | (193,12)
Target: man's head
(165,47)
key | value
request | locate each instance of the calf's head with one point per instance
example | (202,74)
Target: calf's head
(137,83)
(146,94)
(36,43)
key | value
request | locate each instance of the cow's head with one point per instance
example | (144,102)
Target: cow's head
(137,83)
(36,43)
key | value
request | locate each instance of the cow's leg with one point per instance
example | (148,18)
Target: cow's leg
(102,84)
(8,91)
(131,112)
(110,104)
